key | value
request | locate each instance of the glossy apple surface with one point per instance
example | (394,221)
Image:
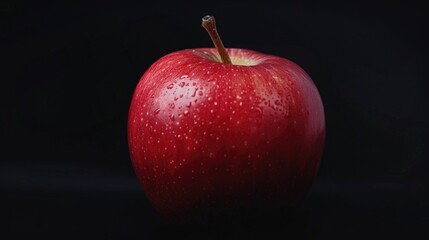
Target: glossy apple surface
(205,136)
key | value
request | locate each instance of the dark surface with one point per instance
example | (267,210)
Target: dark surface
(69,71)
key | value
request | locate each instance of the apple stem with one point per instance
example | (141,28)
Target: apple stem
(209,23)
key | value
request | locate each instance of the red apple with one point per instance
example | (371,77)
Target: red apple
(206,135)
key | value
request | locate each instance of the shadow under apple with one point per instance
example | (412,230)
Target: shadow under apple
(240,223)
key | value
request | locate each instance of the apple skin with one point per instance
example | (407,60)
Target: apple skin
(207,137)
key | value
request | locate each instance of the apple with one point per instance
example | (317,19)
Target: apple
(215,129)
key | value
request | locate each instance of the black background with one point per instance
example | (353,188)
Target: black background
(69,71)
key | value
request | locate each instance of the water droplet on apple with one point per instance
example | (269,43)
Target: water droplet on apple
(186,112)
(277,102)
(170,86)
(172,117)
(200,93)
(171,105)
(257,110)
(157,111)
(182,84)
(189,104)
